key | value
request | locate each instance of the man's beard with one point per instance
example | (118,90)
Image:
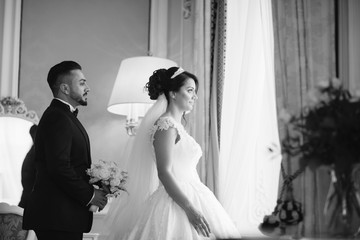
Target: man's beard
(82,102)
(79,99)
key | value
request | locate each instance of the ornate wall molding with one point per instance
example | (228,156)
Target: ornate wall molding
(14,107)
(187,9)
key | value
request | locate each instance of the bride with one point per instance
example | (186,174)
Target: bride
(166,198)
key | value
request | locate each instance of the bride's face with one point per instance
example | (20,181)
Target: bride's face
(186,96)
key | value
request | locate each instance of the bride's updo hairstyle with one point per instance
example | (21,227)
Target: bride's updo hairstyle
(167,80)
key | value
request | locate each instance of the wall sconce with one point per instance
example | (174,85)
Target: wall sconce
(128,96)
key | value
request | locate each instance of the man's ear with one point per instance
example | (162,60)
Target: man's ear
(64,88)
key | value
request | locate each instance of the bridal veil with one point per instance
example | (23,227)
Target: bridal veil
(142,180)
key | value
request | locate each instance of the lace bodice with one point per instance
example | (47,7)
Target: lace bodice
(187,151)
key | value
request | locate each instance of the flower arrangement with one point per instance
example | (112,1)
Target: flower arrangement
(327,133)
(107,175)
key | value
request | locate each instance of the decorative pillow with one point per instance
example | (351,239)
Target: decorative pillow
(11,227)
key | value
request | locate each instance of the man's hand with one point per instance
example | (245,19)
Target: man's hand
(105,189)
(99,199)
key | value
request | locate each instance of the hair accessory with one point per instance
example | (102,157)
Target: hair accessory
(178,72)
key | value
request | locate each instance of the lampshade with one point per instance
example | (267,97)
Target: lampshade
(128,96)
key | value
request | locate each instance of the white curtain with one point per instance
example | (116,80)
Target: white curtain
(249,149)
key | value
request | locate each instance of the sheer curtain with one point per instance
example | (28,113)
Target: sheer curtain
(249,162)
(209,34)
(201,62)
(304,56)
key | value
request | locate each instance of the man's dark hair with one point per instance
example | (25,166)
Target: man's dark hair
(60,70)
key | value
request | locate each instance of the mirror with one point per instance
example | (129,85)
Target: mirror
(15,142)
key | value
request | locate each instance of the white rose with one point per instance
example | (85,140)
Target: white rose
(323,84)
(336,83)
(95,173)
(115,182)
(284,116)
(312,97)
(104,174)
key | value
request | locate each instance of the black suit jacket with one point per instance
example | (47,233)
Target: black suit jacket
(61,191)
(28,174)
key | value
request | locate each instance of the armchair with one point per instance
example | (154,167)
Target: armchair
(15,142)
(11,223)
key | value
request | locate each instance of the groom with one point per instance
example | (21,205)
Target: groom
(58,207)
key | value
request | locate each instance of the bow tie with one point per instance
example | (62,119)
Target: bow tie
(75,112)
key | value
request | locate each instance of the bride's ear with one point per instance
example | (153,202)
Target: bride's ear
(172,95)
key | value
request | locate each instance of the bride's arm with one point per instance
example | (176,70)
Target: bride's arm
(164,141)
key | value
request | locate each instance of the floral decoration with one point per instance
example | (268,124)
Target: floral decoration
(108,176)
(11,106)
(105,173)
(326,132)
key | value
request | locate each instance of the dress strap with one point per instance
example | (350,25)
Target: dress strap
(163,124)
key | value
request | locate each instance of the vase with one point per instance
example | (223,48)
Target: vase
(342,209)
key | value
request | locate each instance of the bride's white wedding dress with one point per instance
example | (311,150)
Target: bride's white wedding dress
(162,218)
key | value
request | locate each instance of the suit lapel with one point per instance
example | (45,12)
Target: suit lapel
(67,111)
(83,131)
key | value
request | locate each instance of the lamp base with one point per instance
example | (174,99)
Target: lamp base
(131,126)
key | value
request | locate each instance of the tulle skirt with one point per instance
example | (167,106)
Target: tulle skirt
(163,219)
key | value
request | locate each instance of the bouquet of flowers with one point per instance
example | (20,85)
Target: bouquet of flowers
(107,175)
